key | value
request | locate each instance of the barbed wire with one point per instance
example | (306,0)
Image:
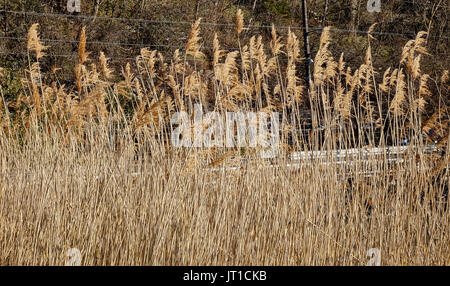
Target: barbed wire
(111,58)
(74,55)
(420,3)
(94,42)
(142,45)
(62,55)
(417,3)
(229,25)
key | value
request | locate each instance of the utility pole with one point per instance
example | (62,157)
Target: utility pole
(306,41)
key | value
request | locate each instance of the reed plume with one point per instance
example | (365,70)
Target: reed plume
(193,45)
(34,44)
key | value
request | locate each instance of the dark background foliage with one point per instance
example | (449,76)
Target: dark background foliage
(164,25)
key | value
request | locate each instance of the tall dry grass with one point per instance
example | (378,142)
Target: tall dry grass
(91,166)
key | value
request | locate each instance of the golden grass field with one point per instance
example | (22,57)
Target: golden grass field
(91,167)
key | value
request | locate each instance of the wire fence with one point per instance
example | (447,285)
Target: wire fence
(95,42)
(168,22)
(228,25)
(428,3)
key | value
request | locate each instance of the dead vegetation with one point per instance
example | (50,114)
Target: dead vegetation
(91,166)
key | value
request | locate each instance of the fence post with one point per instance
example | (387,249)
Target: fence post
(5,17)
(306,42)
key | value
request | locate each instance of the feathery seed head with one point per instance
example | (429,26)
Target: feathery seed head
(193,45)
(34,43)
(239,21)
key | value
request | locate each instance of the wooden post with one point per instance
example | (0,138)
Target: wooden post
(354,14)
(197,6)
(5,18)
(306,41)
(325,11)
